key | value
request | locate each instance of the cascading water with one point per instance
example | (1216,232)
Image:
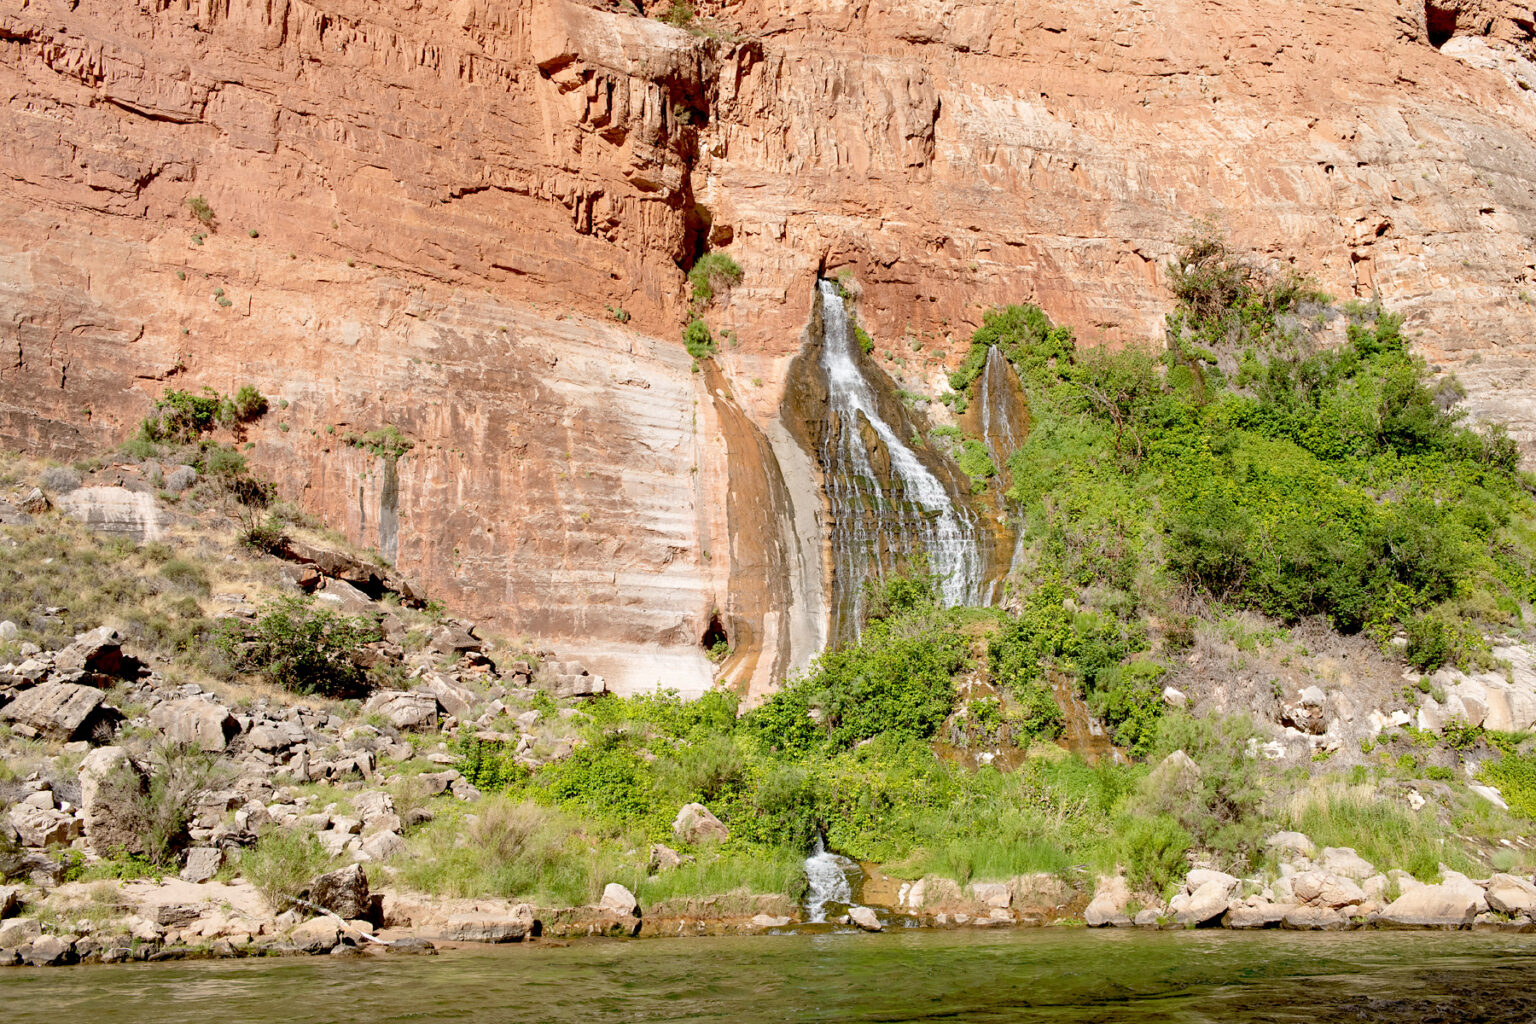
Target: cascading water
(826,876)
(880,521)
(1004,418)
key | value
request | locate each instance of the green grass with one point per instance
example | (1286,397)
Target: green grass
(282,864)
(1379,830)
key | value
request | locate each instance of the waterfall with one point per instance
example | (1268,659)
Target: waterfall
(826,879)
(881,520)
(1002,410)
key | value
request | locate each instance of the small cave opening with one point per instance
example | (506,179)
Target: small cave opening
(716,642)
(1440,23)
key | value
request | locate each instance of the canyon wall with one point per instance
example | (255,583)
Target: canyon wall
(468,218)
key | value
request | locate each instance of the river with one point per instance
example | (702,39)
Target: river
(1014,976)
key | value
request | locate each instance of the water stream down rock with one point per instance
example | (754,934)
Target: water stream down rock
(887,507)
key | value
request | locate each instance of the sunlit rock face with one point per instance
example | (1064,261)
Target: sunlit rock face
(469,220)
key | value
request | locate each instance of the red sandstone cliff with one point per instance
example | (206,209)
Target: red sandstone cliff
(426,211)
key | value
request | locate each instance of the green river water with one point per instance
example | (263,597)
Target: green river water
(1039,975)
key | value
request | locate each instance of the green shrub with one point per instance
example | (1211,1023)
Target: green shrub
(387,442)
(201,211)
(975,461)
(895,680)
(1515,777)
(186,575)
(714,272)
(301,648)
(697,339)
(181,417)
(245,405)
(282,865)
(1153,850)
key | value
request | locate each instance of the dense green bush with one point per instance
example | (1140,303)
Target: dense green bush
(698,340)
(714,272)
(1515,777)
(1335,482)
(894,680)
(301,648)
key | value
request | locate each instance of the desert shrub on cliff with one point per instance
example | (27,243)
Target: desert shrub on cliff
(713,273)
(698,340)
(201,212)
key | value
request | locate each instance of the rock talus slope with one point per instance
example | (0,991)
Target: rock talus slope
(468,219)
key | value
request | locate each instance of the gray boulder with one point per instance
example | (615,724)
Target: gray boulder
(344,892)
(319,935)
(865,918)
(48,951)
(619,900)
(1109,901)
(694,823)
(109,779)
(404,710)
(203,862)
(1343,860)
(60,711)
(1447,905)
(1325,889)
(480,926)
(201,724)
(1508,894)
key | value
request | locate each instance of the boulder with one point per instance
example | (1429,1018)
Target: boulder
(1447,905)
(35,503)
(694,824)
(60,711)
(1508,894)
(663,858)
(107,777)
(345,598)
(10,899)
(1342,860)
(1293,843)
(991,894)
(274,737)
(1325,889)
(318,935)
(8,630)
(1307,918)
(1175,773)
(203,862)
(1200,877)
(1246,917)
(455,699)
(43,826)
(19,931)
(1110,899)
(481,926)
(48,951)
(1205,906)
(179,479)
(199,724)
(98,653)
(865,918)
(404,709)
(344,892)
(381,846)
(619,900)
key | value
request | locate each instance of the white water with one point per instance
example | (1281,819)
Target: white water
(874,531)
(827,882)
